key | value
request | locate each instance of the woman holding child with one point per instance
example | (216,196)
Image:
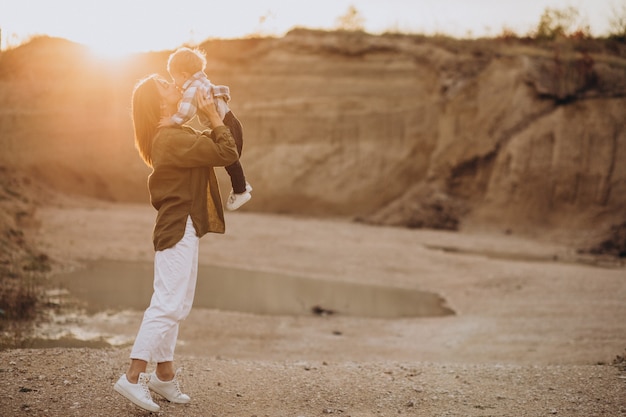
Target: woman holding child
(184,191)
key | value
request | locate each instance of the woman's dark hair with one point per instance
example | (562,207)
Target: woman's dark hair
(146,110)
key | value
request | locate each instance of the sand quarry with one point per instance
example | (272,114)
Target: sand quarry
(516,150)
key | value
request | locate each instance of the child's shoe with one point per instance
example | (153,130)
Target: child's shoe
(237,200)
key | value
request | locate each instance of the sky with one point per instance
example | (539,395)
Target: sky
(118,27)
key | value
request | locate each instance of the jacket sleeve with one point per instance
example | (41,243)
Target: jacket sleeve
(187,148)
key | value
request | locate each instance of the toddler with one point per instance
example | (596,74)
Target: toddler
(186,67)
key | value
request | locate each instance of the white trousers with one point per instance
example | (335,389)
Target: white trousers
(175,276)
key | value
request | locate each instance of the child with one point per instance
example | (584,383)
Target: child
(186,67)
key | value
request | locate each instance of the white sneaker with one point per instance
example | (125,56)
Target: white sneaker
(168,389)
(237,200)
(138,393)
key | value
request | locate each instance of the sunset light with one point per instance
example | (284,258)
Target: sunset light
(115,28)
(310,208)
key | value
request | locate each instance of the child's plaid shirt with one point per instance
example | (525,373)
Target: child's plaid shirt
(188,106)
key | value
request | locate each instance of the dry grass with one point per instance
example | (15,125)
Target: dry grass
(21,266)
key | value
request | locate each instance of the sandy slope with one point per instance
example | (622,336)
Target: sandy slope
(531,336)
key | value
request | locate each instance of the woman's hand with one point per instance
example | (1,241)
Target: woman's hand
(206,104)
(166,121)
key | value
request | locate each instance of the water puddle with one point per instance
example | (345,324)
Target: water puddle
(113,285)
(97,302)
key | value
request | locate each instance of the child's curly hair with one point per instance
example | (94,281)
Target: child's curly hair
(186,60)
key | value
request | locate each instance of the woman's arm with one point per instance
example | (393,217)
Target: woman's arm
(207,106)
(188,148)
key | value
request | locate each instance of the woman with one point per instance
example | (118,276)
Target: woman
(185,192)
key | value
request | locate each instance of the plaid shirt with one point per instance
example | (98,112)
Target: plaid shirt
(188,106)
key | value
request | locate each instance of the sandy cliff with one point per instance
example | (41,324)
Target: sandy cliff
(400,130)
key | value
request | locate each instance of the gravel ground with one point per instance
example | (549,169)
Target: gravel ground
(78,382)
(529,337)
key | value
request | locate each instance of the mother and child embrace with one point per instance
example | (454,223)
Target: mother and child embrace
(185,192)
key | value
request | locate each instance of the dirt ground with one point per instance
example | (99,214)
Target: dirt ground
(536,330)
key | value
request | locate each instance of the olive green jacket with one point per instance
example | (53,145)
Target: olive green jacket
(183,182)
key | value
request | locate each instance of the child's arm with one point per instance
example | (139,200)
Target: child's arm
(221,95)
(221,91)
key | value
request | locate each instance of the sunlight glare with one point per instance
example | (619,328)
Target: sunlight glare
(117,46)
(109,51)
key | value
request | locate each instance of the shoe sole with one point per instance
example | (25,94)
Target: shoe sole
(117,387)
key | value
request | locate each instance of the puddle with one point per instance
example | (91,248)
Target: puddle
(112,295)
(113,285)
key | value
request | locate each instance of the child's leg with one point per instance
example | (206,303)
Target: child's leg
(235,170)
(237,177)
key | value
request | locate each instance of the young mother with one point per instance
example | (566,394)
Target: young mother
(185,192)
